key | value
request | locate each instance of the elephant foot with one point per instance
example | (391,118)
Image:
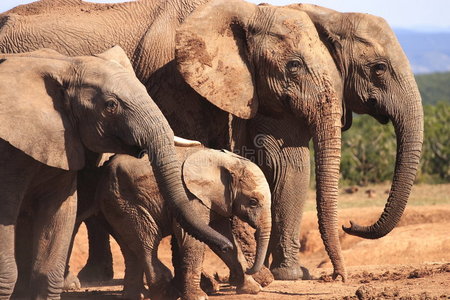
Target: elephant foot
(264,277)
(249,286)
(71,282)
(294,272)
(163,290)
(132,295)
(194,295)
(208,284)
(96,272)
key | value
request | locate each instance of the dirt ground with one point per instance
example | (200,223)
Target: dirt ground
(412,262)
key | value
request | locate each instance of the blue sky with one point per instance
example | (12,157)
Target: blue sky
(422,15)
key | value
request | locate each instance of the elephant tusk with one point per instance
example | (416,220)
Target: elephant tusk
(104,157)
(180,142)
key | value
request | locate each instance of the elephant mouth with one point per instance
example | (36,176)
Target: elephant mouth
(134,151)
(383,119)
(126,148)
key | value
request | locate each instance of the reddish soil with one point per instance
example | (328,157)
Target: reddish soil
(412,262)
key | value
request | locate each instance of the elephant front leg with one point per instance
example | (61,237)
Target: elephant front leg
(287,211)
(133,285)
(281,150)
(236,261)
(188,261)
(14,183)
(8,268)
(53,228)
(99,266)
(71,281)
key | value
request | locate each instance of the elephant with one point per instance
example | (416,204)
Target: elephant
(378,81)
(220,184)
(252,79)
(54,111)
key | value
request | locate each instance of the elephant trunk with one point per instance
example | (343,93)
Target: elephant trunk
(326,134)
(262,240)
(409,132)
(167,170)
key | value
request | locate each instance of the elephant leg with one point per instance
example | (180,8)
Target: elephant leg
(99,264)
(188,264)
(71,281)
(133,284)
(53,227)
(16,173)
(281,151)
(8,268)
(287,210)
(159,277)
(235,260)
(24,257)
(138,230)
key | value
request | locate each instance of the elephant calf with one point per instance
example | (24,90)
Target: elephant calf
(220,184)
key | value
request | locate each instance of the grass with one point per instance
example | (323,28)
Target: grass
(422,194)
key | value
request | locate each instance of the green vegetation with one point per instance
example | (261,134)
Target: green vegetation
(369,149)
(368,152)
(434,87)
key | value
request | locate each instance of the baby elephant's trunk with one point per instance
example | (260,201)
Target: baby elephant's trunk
(262,239)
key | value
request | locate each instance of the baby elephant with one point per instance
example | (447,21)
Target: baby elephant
(220,185)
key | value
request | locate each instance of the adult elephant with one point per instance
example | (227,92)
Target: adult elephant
(378,81)
(53,111)
(265,64)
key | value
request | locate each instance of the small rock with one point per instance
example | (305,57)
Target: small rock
(371,193)
(351,190)
(365,292)
(419,273)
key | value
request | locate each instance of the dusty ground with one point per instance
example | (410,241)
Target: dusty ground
(412,262)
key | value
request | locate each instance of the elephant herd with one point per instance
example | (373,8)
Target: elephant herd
(80,79)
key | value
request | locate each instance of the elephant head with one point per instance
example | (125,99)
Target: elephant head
(377,81)
(250,60)
(231,185)
(55,107)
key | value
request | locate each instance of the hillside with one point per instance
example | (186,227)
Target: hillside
(434,87)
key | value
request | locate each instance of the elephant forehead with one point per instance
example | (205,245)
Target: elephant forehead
(254,181)
(110,77)
(282,23)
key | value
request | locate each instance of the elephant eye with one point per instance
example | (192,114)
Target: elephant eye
(253,202)
(293,65)
(111,105)
(379,68)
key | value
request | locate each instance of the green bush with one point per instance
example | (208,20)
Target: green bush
(369,149)
(368,152)
(436,148)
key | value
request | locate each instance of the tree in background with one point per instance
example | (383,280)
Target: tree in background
(368,154)
(436,148)
(369,149)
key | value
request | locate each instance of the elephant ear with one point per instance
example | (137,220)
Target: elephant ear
(33,111)
(212,57)
(117,54)
(207,178)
